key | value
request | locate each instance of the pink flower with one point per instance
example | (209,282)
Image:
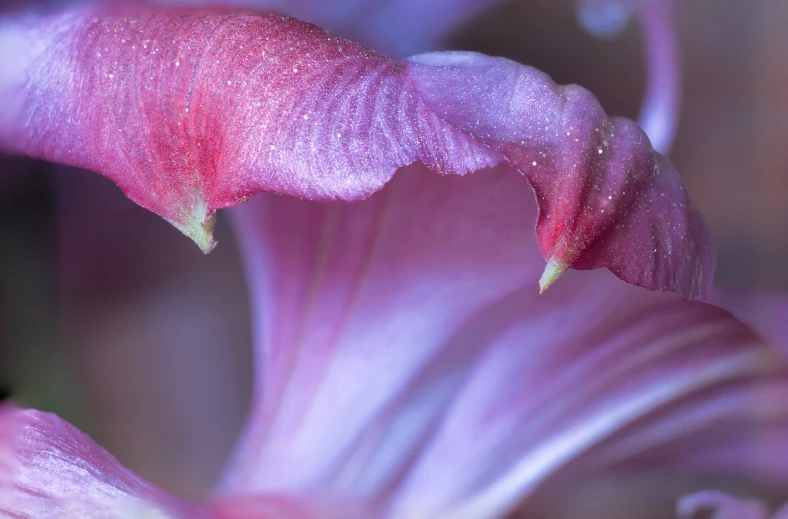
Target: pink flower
(405,365)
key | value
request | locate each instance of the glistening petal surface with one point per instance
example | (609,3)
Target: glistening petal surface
(606,199)
(404,356)
(192,111)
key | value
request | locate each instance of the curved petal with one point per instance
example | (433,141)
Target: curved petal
(659,111)
(403,357)
(246,103)
(48,469)
(240,104)
(725,507)
(606,199)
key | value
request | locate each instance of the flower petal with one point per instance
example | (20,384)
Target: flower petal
(242,104)
(50,469)
(403,356)
(724,507)
(606,199)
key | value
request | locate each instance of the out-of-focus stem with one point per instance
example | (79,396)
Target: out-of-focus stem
(659,112)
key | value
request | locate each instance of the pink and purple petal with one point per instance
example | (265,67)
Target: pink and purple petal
(244,103)
(403,357)
(606,199)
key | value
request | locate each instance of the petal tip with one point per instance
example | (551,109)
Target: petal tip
(552,272)
(199,227)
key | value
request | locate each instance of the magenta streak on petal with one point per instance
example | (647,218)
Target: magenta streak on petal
(659,115)
(191,112)
(394,333)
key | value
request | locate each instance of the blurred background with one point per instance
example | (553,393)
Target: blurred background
(114,320)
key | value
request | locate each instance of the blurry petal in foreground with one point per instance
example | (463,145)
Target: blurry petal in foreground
(404,358)
(725,507)
(248,103)
(50,470)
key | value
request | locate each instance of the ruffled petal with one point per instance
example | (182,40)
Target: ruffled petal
(404,357)
(246,103)
(606,199)
(239,104)
(48,469)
